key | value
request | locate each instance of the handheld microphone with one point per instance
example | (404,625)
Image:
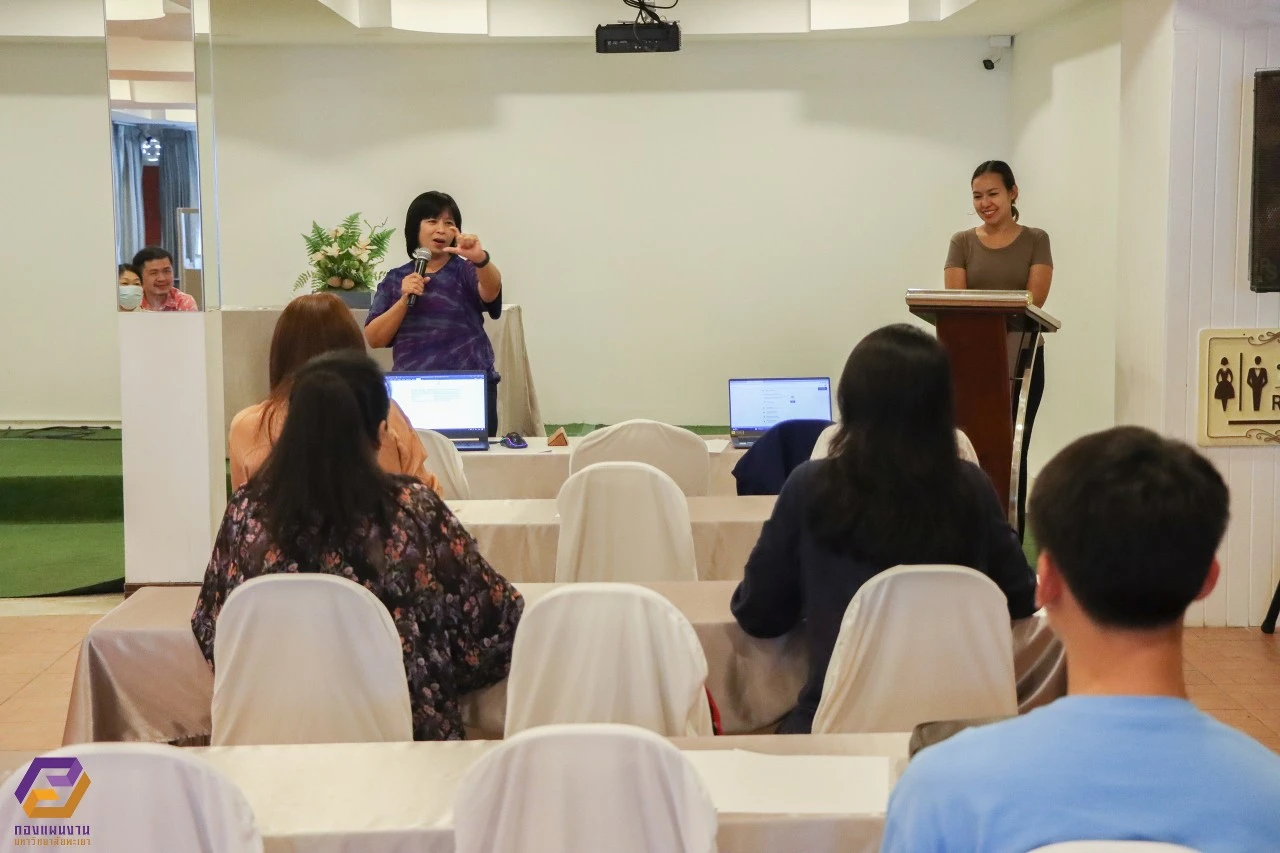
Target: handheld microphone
(420,258)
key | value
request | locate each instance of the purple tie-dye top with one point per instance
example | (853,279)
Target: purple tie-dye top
(445,330)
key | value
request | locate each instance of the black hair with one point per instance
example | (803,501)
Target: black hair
(124,268)
(150,253)
(429,205)
(1001,168)
(894,490)
(1133,521)
(322,480)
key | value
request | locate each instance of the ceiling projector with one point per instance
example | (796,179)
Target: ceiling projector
(650,37)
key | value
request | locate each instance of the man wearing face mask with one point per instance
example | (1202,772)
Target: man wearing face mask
(128,288)
(155,268)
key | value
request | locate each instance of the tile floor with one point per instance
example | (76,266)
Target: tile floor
(1232,673)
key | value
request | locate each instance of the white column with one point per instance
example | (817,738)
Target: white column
(173,445)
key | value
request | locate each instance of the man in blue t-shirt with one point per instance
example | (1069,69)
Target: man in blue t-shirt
(1128,525)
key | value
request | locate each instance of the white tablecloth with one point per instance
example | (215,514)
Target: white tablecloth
(397,798)
(539,471)
(519,538)
(140,675)
(246,346)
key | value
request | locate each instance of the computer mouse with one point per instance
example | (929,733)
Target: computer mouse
(515,441)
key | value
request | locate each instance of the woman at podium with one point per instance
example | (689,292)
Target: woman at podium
(1002,254)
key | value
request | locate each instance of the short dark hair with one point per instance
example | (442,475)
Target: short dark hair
(429,205)
(1132,520)
(121,269)
(150,253)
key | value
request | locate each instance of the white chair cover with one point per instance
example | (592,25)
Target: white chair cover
(445,461)
(624,521)
(307,658)
(608,653)
(920,644)
(681,454)
(584,789)
(1114,847)
(143,798)
(822,449)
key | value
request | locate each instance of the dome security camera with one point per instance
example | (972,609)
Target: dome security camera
(989,64)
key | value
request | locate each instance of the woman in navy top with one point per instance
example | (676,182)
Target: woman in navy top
(893,492)
(444,327)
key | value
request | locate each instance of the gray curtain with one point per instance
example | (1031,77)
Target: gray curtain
(126,143)
(179,182)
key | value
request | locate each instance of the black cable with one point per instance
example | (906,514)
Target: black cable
(59,433)
(647,12)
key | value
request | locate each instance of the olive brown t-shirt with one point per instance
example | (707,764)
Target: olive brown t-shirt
(999,269)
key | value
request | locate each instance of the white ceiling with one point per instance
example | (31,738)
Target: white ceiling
(312,22)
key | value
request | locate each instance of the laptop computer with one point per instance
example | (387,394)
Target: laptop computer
(451,402)
(757,404)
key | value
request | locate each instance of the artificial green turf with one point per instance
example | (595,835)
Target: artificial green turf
(49,559)
(34,453)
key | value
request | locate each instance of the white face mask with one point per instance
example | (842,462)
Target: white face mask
(130,296)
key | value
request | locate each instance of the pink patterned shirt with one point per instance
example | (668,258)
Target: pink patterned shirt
(176,301)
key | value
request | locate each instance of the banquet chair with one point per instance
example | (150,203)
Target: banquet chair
(607,653)
(1112,847)
(307,658)
(679,453)
(445,461)
(785,446)
(623,521)
(917,644)
(584,789)
(822,449)
(144,798)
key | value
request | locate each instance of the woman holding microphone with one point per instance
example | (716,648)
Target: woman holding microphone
(1001,254)
(443,328)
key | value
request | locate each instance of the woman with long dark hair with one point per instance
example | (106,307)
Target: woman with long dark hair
(893,492)
(310,326)
(1003,254)
(322,503)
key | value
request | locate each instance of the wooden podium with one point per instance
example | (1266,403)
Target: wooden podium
(993,337)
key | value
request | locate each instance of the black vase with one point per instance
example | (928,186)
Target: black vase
(354,298)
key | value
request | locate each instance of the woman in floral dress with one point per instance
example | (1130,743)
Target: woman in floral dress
(321,503)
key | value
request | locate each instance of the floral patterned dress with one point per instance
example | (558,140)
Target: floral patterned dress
(456,616)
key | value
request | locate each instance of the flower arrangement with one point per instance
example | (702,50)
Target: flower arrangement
(345,258)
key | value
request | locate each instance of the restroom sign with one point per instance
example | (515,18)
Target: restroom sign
(1239,387)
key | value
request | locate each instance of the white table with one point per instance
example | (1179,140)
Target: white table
(519,538)
(141,677)
(821,793)
(539,471)
(396,798)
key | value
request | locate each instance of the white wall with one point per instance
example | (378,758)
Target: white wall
(1207,287)
(1066,125)
(667,221)
(59,346)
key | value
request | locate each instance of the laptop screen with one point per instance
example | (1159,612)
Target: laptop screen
(757,404)
(448,401)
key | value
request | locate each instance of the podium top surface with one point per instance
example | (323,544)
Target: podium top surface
(1017,303)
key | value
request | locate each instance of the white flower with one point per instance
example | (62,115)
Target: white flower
(332,250)
(335,233)
(318,256)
